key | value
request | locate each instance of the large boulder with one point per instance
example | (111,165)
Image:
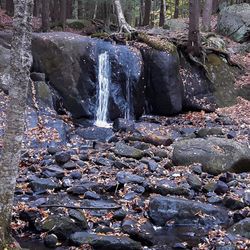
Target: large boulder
(70,62)
(217,155)
(234,21)
(241,228)
(181,211)
(164,89)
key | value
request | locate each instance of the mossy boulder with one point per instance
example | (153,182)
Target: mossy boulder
(222,77)
(234,21)
(216,155)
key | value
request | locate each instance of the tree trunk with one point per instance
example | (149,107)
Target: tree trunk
(10,7)
(80,9)
(63,12)
(176,8)
(123,25)
(146,19)
(207,13)
(45,15)
(3,4)
(75,9)
(194,40)
(162,13)
(12,141)
(142,10)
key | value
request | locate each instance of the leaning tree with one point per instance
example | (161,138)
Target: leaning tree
(20,64)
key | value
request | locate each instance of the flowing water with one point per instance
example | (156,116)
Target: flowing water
(129,108)
(103,91)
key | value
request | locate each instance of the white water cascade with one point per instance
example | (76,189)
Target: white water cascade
(103,92)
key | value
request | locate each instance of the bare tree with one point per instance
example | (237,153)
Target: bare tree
(45,15)
(206,17)
(147,9)
(123,25)
(176,8)
(194,40)
(19,77)
(162,13)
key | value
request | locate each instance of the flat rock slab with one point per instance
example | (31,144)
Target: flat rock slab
(102,242)
(121,149)
(241,228)
(217,155)
(164,209)
(95,133)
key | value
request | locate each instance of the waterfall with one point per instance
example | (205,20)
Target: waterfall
(103,91)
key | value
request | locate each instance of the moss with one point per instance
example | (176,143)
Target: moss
(156,43)
(222,77)
(78,24)
(101,35)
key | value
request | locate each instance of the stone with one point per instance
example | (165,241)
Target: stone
(126,177)
(205,132)
(62,157)
(62,226)
(241,228)
(233,203)
(123,125)
(247,197)
(163,209)
(194,181)
(163,81)
(92,195)
(79,217)
(50,240)
(53,171)
(221,187)
(103,242)
(76,175)
(77,190)
(70,165)
(121,149)
(77,83)
(216,155)
(41,185)
(95,133)
(234,21)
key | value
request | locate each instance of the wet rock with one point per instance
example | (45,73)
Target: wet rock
(122,149)
(41,185)
(77,190)
(205,132)
(61,226)
(221,187)
(140,232)
(79,217)
(53,150)
(123,125)
(126,177)
(62,157)
(163,80)
(165,187)
(50,241)
(152,165)
(233,203)
(179,246)
(241,228)
(234,22)
(95,133)
(119,215)
(92,195)
(163,209)
(120,164)
(103,161)
(76,175)
(194,181)
(53,171)
(30,216)
(216,155)
(102,242)
(53,54)
(197,168)
(69,165)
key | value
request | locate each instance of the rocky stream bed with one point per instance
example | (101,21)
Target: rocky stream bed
(178,182)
